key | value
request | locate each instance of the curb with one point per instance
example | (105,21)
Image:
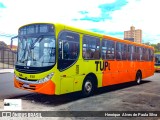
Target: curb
(3,71)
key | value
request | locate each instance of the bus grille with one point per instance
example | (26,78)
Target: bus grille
(31,87)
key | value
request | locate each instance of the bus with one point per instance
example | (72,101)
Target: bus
(157,62)
(56,59)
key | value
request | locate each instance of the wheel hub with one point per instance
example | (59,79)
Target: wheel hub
(88,86)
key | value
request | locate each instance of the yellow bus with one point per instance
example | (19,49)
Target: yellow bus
(57,59)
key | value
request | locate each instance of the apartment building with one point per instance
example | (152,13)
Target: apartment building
(134,35)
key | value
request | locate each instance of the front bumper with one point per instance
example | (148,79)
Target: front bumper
(157,69)
(44,88)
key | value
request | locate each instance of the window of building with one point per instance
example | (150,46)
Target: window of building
(108,49)
(91,47)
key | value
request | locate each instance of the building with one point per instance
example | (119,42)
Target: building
(8,47)
(14,48)
(133,34)
(3,45)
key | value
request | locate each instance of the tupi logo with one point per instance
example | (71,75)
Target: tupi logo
(102,65)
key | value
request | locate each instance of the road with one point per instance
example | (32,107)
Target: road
(7,89)
(123,97)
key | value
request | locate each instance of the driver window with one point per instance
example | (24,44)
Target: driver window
(68,49)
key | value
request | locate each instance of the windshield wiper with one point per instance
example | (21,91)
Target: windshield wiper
(39,39)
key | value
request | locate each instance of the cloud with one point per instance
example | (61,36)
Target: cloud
(110,7)
(94,19)
(110,17)
(2,5)
(105,9)
(98,30)
(28,11)
(83,12)
(142,14)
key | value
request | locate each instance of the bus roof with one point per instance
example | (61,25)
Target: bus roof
(126,41)
(87,32)
(104,36)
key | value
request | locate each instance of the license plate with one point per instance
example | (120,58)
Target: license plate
(26,85)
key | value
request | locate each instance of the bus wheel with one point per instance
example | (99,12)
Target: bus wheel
(88,87)
(138,78)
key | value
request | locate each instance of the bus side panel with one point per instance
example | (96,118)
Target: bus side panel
(90,67)
(148,69)
(85,68)
(72,78)
(120,72)
(81,69)
(125,71)
(110,75)
(67,79)
(131,70)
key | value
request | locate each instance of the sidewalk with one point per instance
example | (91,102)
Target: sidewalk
(6,71)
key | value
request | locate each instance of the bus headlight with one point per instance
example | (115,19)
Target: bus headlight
(48,77)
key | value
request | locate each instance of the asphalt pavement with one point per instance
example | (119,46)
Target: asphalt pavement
(123,97)
(7,89)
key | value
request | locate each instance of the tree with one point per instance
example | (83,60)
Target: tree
(156,48)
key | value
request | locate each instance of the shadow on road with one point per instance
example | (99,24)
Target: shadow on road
(118,87)
(57,100)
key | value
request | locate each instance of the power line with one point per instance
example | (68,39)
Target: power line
(7,35)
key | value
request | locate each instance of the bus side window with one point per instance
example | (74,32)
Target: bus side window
(137,54)
(134,53)
(130,52)
(141,53)
(108,49)
(124,51)
(118,51)
(91,47)
(147,54)
(104,49)
(151,55)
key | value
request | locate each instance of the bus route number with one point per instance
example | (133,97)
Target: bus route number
(32,76)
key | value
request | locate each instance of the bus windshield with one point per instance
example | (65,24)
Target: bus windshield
(157,59)
(36,51)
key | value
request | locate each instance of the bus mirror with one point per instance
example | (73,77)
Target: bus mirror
(11,43)
(12,40)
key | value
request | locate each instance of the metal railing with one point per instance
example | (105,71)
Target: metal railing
(7,58)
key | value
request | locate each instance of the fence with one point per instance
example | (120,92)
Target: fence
(7,58)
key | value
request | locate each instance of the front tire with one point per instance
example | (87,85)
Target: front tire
(88,87)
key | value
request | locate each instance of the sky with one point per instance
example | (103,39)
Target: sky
(109,17)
